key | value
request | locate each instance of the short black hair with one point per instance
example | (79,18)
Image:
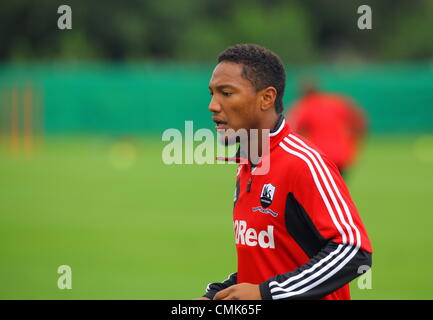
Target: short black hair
(261,67)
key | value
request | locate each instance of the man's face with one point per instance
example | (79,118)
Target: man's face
(235,102)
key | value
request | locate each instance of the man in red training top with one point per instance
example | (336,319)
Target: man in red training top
(297,231)
(332,122)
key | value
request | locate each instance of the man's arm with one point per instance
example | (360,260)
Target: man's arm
(333,267)
(325,273)
(322,218)
(213,288)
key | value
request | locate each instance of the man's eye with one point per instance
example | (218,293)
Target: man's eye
(226,94)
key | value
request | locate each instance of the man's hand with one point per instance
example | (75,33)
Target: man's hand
(241,291)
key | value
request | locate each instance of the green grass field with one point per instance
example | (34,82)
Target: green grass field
(131,227)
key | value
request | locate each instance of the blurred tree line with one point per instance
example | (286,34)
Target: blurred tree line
(300,31)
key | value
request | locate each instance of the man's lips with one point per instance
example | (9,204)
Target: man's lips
(220,124)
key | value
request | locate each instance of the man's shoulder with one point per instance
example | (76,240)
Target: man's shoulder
(297,154)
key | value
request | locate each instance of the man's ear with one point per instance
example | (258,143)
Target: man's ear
(268,97)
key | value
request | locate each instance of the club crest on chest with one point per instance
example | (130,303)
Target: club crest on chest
(267,195)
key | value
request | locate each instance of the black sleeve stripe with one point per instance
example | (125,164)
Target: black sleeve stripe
(313,276)
(333,267)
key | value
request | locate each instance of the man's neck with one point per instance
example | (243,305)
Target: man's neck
(257,139)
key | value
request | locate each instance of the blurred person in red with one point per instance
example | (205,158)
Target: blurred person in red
(332,122)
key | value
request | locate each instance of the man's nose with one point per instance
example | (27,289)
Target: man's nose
(214,106)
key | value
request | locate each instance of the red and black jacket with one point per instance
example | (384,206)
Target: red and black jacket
(298,233)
